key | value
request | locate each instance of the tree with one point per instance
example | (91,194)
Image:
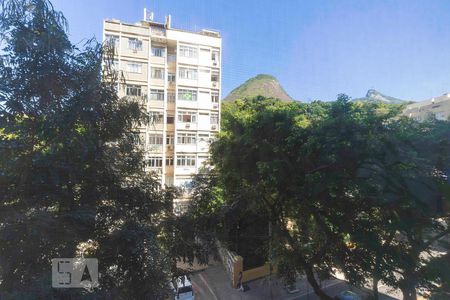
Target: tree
(72,182)
(343,185)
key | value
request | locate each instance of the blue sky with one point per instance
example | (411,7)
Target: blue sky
(317,48)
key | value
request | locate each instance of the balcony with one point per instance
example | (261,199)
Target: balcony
(142,99)
(190,126)
(155,148)
(185,170)
(186,148)
(156,170)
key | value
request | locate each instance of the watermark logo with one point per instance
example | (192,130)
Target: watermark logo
(75,273)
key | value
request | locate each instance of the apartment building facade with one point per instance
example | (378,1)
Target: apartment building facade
(175,75)
(439,107)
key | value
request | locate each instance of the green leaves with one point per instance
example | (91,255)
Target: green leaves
(69,172)
(347,185)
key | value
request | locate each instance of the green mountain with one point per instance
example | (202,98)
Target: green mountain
(260,85)
(375,96)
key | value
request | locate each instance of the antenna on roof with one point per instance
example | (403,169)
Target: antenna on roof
(148,15)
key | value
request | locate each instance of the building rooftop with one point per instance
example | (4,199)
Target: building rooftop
(166,25)
(435,100)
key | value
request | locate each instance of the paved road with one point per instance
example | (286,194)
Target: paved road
(202,289)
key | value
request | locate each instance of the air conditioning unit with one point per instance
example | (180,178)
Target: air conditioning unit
(213,127)
(214,63)
(214,84)
(215,106)
(187,125)
(170,147)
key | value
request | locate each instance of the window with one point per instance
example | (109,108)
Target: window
(155,139)
(169,161)
(188,95)
(169,139)
(186,160)
(186,73)
(215,97)
(158,51)
(186,138)
(215,76)
(112,40)
(157,95)
(170,97)
(171,77)
(134,90)
(138,138)
(171,57)
(154,162)
(134,68)
(157,73)
(214,118)
(156,117)
(134,44)
(187,117)
(170,119)
(187,51)
(215,56)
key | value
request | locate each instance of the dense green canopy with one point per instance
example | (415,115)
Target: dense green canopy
(71,182)
(345,186)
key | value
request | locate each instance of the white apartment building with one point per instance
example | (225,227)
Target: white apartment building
(437,106)
(175,74)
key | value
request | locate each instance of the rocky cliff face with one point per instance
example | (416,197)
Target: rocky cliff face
(376,96)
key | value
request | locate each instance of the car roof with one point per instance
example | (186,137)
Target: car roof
(183,281)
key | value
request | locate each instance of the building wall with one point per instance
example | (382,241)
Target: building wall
(185,111)
(438,106)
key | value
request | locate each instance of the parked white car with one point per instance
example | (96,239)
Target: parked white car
(182,287)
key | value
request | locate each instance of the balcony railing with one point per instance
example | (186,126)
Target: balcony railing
(156,170)
(140,99)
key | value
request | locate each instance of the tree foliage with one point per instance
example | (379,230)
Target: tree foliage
(71,181)
(346,186)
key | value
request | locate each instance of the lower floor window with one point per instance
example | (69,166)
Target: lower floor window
(186,160)
(169,161)
(138,138)
(155,139)
(154,162)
